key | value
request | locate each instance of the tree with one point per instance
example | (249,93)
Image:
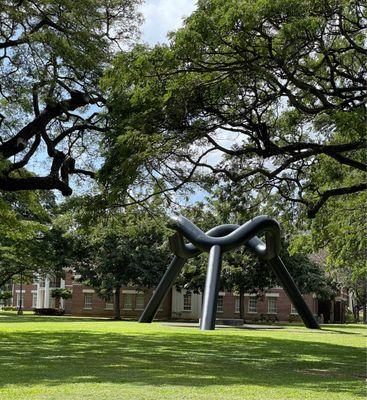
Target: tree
(27,239)
(121,248)
(5,296)
(281,82)
(339,230)
(61,294)
(52,54)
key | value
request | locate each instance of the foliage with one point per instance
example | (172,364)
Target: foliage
(121,247)
(61,293)
(275,87)
(52,54)
(5,295)
(49,311)
(27,239)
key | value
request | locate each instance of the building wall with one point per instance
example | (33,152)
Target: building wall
(175,306)
(230,306)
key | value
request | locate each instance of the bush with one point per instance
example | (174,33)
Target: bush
(267,318)
(61,293)
(294,318)
(6,294)
(48,311)
(9,308)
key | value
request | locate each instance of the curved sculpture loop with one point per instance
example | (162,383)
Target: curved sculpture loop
(220,239)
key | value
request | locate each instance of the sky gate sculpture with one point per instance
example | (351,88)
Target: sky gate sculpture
(217,241)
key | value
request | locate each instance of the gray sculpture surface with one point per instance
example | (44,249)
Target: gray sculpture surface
(216,241)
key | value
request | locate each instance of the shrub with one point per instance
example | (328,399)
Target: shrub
(267,318)
(49,311)
(5,295)
(294,318)
(9,308)
(61,293)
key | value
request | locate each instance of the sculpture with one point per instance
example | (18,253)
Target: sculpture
(216,241)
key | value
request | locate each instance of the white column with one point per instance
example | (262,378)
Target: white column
(39,298)
(46,302)
(62,286)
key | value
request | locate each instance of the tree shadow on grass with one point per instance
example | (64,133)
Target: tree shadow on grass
(178,358)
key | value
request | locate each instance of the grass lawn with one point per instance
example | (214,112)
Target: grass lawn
(74,358)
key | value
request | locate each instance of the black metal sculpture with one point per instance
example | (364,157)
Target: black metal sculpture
(216,241)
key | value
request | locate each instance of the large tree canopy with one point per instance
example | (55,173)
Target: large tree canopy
(283,82)
(52,53)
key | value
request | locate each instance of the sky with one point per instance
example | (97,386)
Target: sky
(163,16)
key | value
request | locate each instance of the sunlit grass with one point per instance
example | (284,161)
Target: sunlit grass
(75,358)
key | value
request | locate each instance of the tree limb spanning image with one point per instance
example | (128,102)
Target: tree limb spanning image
(52,54)
(269,95)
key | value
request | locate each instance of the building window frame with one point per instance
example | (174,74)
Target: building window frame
(127,305)
(272,305)
(139,305)
(252,305)
(220,304)
(88,301)
(187,302)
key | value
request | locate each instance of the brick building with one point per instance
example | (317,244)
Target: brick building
(182,305)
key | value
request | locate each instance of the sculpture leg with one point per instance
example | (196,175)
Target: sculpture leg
(293,293)
(162,289)
(211,289)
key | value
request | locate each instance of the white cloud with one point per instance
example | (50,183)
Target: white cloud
(163,16)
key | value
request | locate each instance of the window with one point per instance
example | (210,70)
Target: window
(139,301)
(18,299)
(187,301)
(252,305)
(237,305)
(109,304)
(88,298)
(220,304)
(293,310)
(272,305)
(34,300)
(128,301)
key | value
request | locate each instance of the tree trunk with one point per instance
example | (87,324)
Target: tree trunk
(364,299)
(117,302)
(242,308)
(356,313)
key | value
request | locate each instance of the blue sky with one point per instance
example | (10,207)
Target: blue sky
(163,16)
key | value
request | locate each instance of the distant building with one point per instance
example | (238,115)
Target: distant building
(179,305)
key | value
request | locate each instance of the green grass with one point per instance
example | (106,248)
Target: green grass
(75,358)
